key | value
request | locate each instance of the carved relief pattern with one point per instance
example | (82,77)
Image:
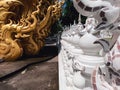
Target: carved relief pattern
(24,25)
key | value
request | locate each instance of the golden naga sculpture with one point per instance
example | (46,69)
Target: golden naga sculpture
(24,24)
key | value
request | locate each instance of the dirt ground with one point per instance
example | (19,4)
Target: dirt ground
(42,76)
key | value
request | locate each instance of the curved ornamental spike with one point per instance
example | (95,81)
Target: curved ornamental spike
(105,44)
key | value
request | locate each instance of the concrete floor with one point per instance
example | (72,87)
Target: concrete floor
(42,76)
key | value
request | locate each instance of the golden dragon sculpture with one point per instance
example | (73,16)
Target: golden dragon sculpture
(24,24)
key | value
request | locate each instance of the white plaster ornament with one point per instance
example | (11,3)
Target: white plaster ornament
(85,54)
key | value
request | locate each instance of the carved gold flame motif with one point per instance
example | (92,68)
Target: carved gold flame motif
(24,24)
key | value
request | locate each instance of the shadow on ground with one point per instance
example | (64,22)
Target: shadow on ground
(40,76)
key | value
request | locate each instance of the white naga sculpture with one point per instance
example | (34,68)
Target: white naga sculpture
(89,57)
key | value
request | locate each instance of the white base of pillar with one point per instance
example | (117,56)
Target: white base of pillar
(62,79)
(63,83)
(66,78)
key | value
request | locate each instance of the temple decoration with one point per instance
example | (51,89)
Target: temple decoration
(89,57)
(24,24)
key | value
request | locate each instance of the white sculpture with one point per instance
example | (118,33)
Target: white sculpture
(103,11)
(82,55)
(86,43)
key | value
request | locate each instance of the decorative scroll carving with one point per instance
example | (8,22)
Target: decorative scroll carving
(24,25)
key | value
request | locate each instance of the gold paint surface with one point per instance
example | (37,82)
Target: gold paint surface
(24,24)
